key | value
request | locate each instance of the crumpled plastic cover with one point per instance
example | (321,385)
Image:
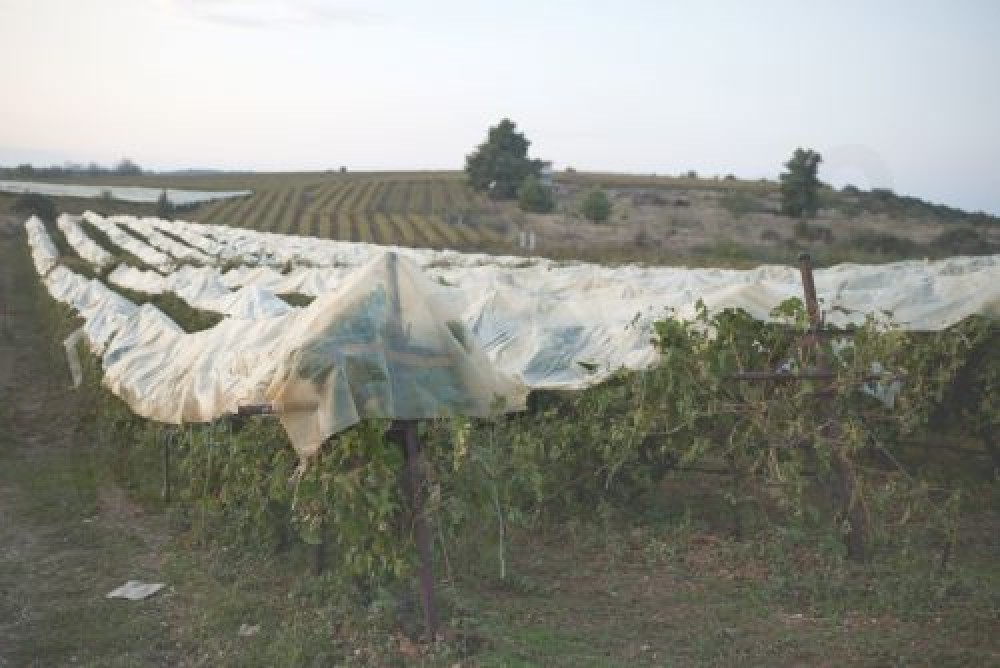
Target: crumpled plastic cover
(43,252)
(387,343)
(421,333)
(154,258)
(84,246)
(203,288)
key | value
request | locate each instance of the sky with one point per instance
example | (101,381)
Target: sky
(893,93)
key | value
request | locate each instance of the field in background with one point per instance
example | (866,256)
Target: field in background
(655,219)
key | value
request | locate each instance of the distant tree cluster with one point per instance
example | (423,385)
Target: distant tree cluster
(124,167)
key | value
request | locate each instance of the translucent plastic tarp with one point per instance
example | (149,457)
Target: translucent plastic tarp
(44,254)
(124,193)
(202,288)
(154,258)
(385,344)
(410,335)
(84,246)
(154,235)
(103,310)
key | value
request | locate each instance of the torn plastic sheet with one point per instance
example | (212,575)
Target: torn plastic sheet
(73,356)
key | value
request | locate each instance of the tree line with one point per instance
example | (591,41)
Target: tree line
(124,167)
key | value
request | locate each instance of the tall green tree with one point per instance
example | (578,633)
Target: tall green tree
(800,184)
(500,164)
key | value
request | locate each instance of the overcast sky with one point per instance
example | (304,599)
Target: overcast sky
(899,94)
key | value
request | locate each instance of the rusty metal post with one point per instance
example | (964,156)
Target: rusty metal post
(845,478)
(406,432)
(809,288)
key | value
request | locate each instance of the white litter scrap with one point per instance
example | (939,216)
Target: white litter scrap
(133,590)
(84,246)
(420,333)
(73,357)
(248,630)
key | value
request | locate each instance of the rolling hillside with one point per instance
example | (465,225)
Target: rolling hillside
(655,219)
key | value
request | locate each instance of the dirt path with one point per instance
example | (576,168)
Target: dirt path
(67,534)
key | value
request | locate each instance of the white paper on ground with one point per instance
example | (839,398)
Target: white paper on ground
(133,590)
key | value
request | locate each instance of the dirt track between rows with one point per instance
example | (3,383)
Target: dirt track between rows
(67,534)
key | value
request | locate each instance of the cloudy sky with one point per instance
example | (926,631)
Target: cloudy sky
(900,94)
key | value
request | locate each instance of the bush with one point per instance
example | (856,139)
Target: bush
(164,207)
(962,241)
(807,232)
(884,244)
(33,204)
(739,203)
(596,206)
(534,197)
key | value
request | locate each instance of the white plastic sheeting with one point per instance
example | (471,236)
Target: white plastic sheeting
(387,343)
(460,336)
(202,288)
(43,252)
(153,234)
(538,319)
(124,193)
(104,311)
(181,230)
(154,258)
(84,246)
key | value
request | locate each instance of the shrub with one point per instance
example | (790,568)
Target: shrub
(596,206)
(33,204)
(962,241)
(807,232)
(534,197)
(884,244)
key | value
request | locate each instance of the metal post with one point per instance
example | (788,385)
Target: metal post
(406,430)
(845,477)
(809,288)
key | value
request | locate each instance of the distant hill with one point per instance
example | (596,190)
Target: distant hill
(655,219)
